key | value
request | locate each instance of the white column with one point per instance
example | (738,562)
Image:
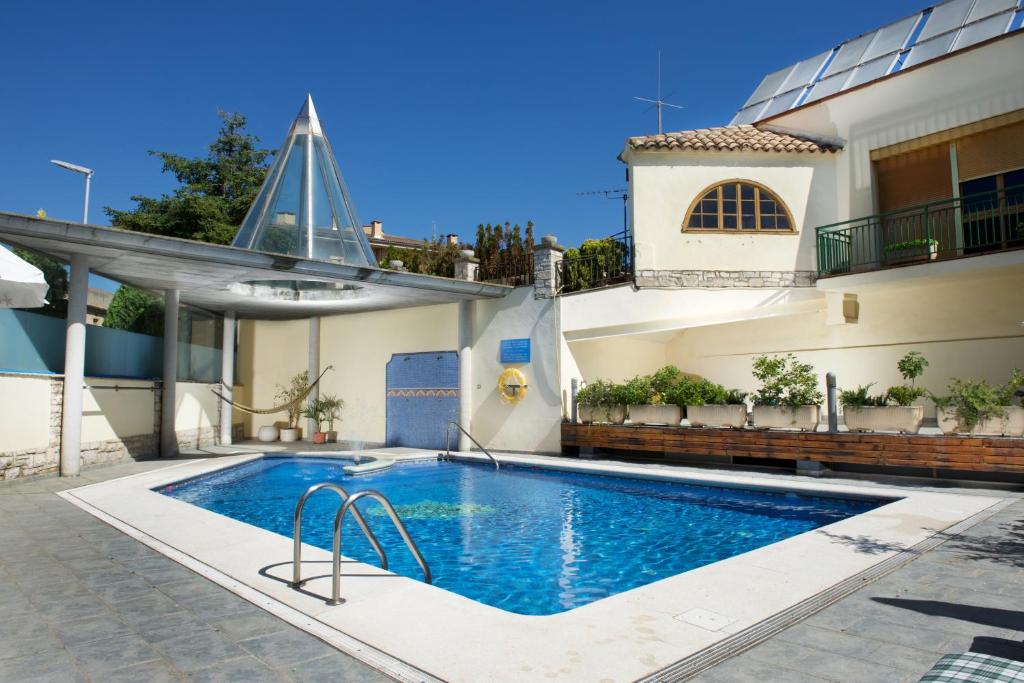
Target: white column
(314,371)
(465,371)
(74,369)
(168,435)
(227,376)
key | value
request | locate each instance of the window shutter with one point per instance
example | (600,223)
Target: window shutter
(991,152)
(917,177)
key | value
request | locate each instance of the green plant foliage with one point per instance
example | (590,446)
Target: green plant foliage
(214,193)
(912,366)
(972,401)
(56,275)
(596,393)
(637,391)
(435,257)
(860,397)
(735,397)
(136,311)
(902,395)
(922,243)
(697,392)
(785,382)
(297,386)
(1007,392)
(331,406)
(504,250)
(595,260)
(665,378)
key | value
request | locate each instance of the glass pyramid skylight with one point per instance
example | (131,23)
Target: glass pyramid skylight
(303,208)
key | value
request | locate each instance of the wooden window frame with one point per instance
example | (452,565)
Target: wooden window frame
(757,229)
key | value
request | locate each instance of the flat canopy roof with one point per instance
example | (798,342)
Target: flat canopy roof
(221,278)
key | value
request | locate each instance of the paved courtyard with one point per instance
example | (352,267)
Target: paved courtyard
(82,602)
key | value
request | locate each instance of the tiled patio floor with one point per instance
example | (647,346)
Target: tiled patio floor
(82,602)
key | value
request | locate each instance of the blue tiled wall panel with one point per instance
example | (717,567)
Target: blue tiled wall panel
(422,396)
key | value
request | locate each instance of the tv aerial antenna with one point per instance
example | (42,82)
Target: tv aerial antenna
(617,193)
(659,103)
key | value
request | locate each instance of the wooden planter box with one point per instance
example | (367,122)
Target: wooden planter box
(615,415)
(648,414)
(804,418)
(731,416)
(902,419)
(1011,425)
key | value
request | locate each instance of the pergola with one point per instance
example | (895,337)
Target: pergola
(229,280)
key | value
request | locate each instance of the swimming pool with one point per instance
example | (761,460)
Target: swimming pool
(528,540)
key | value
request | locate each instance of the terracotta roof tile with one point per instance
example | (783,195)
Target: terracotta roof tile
(729,139)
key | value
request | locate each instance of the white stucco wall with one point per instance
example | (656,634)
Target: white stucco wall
(24,412)
(619,358)
(971,86)
(357,345)
(196,406)
(665,184)
(108,414)
(531,425)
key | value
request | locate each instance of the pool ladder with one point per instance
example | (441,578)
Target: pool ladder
(447,455)
(348,502)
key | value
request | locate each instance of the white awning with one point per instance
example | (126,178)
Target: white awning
(21,284)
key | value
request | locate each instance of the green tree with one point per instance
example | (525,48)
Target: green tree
(215,192)
(136,311)
(56,275)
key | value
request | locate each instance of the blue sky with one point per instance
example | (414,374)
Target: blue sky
(458,113)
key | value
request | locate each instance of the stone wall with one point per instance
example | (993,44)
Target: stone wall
(678,279)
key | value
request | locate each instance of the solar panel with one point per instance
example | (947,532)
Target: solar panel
(983,30)
(950,26)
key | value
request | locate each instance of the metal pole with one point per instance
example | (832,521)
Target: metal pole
(227,377)
(574,389)
(168,433)
(74,369)
(465,372)
(85,209)
(833,407)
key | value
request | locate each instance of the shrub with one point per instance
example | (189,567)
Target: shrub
(735,397)
(697,392)
(785,382)
(912,244)
(912,366)
(637,391)
(860,397)
(290,394)
(665,379)
(972,401)
(596,393)
(903,395)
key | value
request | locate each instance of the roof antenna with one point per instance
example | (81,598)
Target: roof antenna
(658,103)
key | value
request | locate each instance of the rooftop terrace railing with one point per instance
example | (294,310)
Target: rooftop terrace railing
(598,263)
(949,228)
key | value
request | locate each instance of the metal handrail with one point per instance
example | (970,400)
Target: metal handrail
(297,530)
(448,443)
(349,503)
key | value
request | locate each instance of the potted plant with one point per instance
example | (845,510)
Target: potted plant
(596,401)
(332,407)
(789,397)
(924,249)
(718,407)
(893,410)
(646,398)
(314,411)
(292,395)
(975,407)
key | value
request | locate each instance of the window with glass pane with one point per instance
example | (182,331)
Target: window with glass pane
(740,206)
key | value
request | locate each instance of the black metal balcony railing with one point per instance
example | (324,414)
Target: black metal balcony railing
(598,263)
(514,271)
(950,228)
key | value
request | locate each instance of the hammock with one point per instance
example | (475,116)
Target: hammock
(275,409)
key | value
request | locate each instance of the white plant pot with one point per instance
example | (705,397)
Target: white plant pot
(602,414)
(733,416)
(649,414)
(903,419)
(268,433)
(782,417)
(1011,425)
(291,434)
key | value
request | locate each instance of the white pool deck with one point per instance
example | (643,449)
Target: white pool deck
(415,631)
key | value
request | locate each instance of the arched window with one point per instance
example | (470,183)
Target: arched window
(740,206)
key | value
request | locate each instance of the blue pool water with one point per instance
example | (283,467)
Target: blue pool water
(526,540)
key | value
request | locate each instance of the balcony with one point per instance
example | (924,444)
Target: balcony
(954,228)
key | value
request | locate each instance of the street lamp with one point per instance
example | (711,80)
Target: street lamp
(87,172)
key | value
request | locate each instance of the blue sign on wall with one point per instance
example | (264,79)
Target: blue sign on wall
(515,350)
